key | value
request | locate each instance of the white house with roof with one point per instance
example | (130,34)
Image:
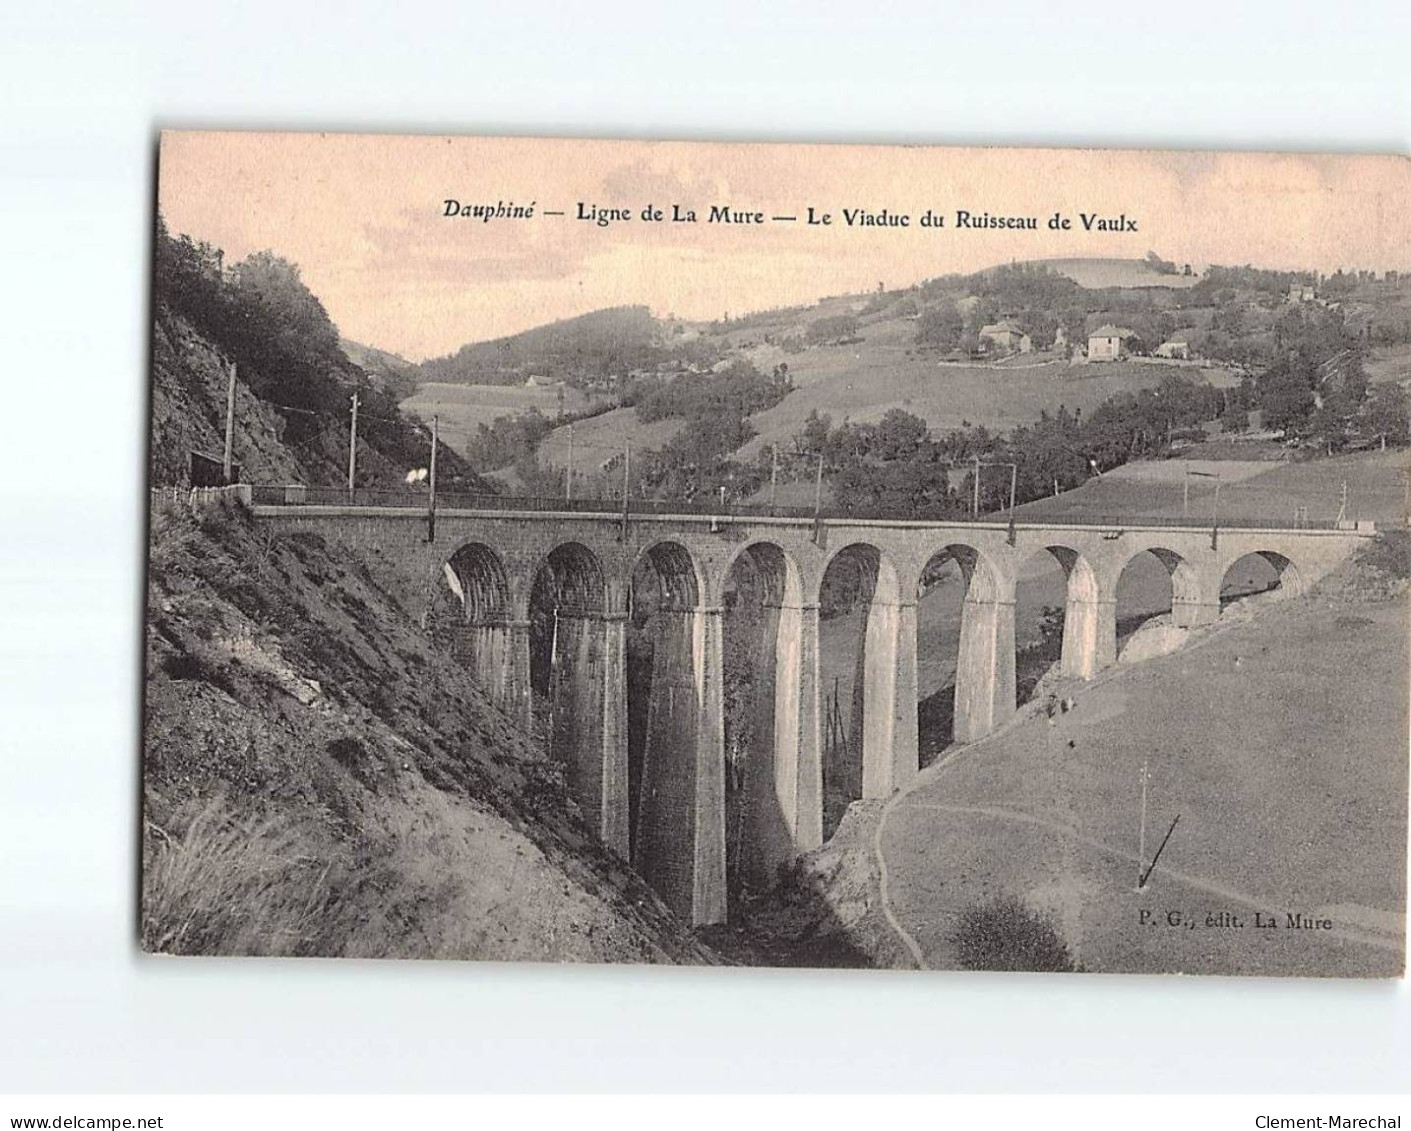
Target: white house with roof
(1108,343)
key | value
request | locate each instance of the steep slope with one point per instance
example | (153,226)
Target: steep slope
(396,374)
(321,779)
(189,385)
(294,384)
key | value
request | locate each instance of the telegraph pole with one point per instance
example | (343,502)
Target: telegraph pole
(431,507)
(774,480)
(626,485)
(1215,518)
(1013,483)
(353,449)
(228,463)
(568,476)
(818,503)
(975,504)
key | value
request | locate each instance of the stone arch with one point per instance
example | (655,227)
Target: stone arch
(769,645)
(1276,567)
(680,580)
(476,574)
(869,746)
(1087,619)
(984,685)
(481,630)
(570,577)
(785,578)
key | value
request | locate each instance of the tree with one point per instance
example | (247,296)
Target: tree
(940,326)
(1387,414)
(899,435)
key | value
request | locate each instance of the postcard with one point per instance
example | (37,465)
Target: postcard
(771,554)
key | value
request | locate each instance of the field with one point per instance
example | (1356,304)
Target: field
(885,370)
(463,407)
(1289,780)
(600,438)
(1375,490)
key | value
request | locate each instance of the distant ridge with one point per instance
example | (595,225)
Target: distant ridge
(613,340)
(1097,273)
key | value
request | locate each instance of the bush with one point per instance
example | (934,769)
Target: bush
(1388,555)
(834,328)
(1004,934)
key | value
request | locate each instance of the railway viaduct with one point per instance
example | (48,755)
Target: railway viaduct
(590,566)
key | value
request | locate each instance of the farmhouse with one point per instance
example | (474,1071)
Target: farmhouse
(1108,343)
(1302,292)
(539,381)
(1180,346)
(1006,336)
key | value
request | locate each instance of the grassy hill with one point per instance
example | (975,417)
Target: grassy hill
(463,408)
(1099,273)
(598,343)
(1289,780)
(1256,490)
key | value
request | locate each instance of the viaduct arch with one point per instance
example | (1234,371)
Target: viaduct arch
(544,599)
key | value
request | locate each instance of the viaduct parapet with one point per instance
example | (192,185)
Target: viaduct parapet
(669,817)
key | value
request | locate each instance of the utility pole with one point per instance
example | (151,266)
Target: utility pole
(228,463)
(1013,483)
(774,479)
(626,486)
(568,476)
(975,504)
(1342,510)
(1186,493)
(1215,518)
(1141,840)
(818,503)
(353,449)
(431,507)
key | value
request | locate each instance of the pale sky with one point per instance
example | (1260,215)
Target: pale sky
(362,216)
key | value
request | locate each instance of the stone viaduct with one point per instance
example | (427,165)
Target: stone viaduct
(588,568)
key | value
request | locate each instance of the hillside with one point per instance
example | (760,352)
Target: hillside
(294,384)
(1099,274)
(596,344)
(1289,780)
(396,374)
(1249,490)
(321,778)
(1290,800)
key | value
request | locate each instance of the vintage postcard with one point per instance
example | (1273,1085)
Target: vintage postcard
(810,555)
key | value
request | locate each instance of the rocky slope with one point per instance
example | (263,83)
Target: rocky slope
(321,779)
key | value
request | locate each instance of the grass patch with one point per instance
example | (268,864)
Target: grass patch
(237,885)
